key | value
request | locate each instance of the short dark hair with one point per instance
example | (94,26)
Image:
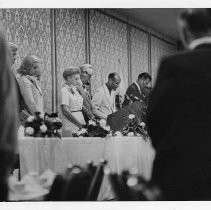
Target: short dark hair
(196,21)
(112,75)
(144,76)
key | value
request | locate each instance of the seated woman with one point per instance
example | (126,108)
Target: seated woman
(72,102)
(28,80)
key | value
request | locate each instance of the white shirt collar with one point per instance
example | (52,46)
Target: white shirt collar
(112,91)
(199,41)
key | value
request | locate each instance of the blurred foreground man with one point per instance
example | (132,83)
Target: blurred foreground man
(8,118)
(179,114)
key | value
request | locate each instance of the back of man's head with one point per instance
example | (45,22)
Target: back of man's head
(113,76)
(195,23)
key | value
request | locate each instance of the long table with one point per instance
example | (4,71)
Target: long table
(122,153)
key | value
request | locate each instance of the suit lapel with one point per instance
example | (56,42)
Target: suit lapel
(137,91)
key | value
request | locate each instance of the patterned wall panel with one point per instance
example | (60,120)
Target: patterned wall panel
(70,41)
(159,48)
(30,30)
(139,52)
(108,47)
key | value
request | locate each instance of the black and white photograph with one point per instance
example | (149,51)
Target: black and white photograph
(105,105)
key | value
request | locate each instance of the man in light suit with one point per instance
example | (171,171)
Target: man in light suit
(103,101)
(86,73)
(179,113)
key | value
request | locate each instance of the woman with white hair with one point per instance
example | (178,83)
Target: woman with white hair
(28,80)
(72,102)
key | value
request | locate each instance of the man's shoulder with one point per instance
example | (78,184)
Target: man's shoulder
(133,86)
(168,59)
(178,57)
(23,80)
(101,88)
(98,91)
(64,89)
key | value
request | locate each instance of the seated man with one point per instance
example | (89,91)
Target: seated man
(139,90)
(103,101)
(86,73)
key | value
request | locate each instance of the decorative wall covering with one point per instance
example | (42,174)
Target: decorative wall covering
(70,42)
(30,30)
(139,52)
(108,48)
(159,48)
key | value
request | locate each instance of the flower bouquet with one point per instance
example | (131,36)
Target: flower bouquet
(94,128)
(133,128)
(48,126)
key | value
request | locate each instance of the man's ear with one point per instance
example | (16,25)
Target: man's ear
(184,34)
(186,37)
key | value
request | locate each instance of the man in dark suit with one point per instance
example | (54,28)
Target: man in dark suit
(138,91)
(86,73)
(179,113)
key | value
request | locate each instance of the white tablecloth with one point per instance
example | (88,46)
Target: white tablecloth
(122,153)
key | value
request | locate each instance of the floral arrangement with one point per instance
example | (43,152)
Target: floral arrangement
(94,128)
(48,126)
(133,128)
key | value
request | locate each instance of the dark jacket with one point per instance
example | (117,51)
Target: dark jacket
(132,94)
(179,124)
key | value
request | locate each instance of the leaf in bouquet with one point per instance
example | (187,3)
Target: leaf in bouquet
(53,115)
(37,115)
(56,125)
(86,135)
(57,135)
(92,134)
(36,127)
(130,129)
(28,124)
(125,129)
(74,134)
(38,121)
